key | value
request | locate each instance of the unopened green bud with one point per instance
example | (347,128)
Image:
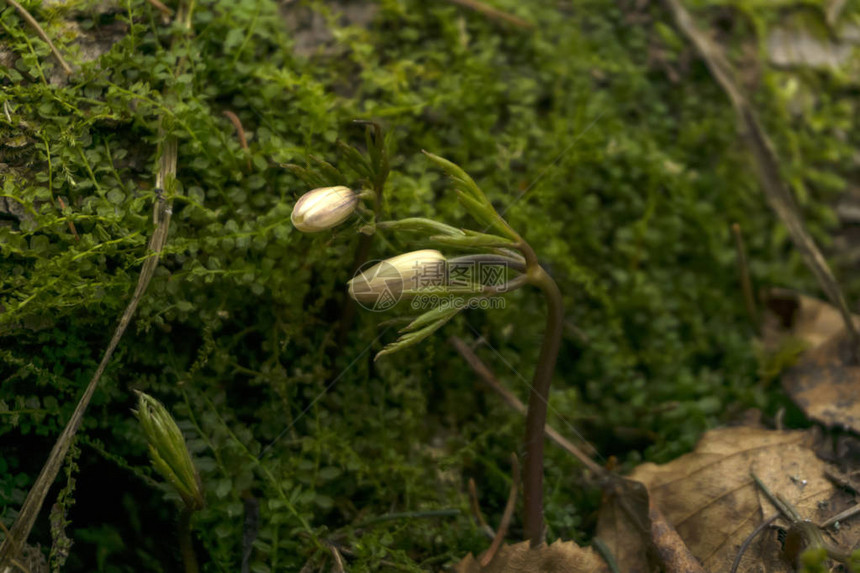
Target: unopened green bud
(170,455)
(392,277)
(323,208)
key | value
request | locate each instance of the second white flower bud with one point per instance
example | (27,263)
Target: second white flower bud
(391,277)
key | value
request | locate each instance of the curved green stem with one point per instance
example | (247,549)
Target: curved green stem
(186,547)
(539,399)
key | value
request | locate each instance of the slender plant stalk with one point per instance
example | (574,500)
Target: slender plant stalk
(538,402)
(35,25)
(746,281)
(186,547)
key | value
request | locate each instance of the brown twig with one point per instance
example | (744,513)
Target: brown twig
(35,25)
(506,516)
(488,378)
(842,480)
(767,163)
(476,510)
(745,545)
(841,516)
(337,566)
(69,221)
(237,123)
(493,13)
(746,282)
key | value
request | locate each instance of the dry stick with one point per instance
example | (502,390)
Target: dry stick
(746,282)
(745,545)
(492,13)
(35,25)
(237,123)
(841,516)
(337,566)
(20,530)
(476,510)
(777,193)
(506,516)
(487,376)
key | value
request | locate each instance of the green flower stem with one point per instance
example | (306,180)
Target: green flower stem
(539,397)
(189,557)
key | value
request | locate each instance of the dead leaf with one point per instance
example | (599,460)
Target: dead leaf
(825,384)
(711,500)
(558,557)
(638,535)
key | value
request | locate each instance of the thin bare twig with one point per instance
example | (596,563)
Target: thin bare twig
(35,25)
(745,545)
(476,510)
(746,282)
(337,567)
(486,376)
(767,163)
(493,13)
(506,516)
(841,516)
(843,480)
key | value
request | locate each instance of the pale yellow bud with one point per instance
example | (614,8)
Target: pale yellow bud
(323,208)
(382,285)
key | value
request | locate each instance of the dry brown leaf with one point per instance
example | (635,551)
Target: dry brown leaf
(825,384)
(633,528)
(709,497)
(558,557)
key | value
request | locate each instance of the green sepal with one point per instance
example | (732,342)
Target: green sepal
(441,312)
(421,225)
(473,240)
(433,324)
(483,214)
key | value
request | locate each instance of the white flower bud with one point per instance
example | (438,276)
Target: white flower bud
(323,208)
(382,285)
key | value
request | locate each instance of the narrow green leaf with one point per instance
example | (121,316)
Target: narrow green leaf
(462,180)
(438,313)
(309,177)
(355,160)
(328,172)
(413,338)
